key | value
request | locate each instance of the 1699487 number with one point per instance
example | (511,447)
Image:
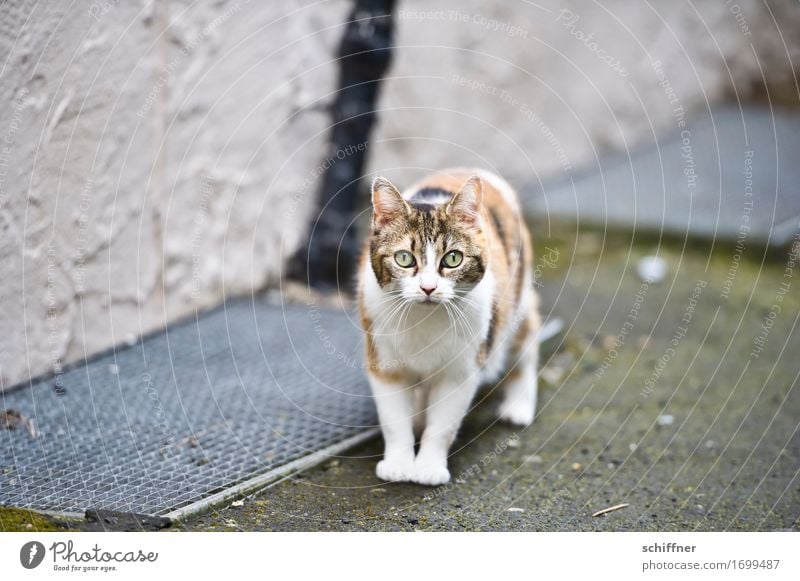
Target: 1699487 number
(756,563)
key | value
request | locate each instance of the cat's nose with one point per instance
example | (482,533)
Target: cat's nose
(428,288)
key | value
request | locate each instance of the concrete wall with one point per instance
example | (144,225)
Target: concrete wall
(536,89)
(154,157)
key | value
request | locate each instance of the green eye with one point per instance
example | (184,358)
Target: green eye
(452,259)
(404,258)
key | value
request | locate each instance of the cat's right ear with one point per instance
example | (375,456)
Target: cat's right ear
(387,203)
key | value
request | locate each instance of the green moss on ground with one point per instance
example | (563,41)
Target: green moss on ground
(19,520)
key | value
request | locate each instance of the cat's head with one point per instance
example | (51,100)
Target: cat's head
(427,253)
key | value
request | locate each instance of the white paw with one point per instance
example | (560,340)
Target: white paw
(394,470)
(516,412)
(430,473)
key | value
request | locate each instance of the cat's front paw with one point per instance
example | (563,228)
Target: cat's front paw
(519,413)
(395,469)
(430,473)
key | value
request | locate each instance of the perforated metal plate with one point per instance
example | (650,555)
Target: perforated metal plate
(731,174)
(186,413)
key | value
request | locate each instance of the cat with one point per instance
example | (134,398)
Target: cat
(447,304)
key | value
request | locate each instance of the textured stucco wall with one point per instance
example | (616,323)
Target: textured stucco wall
(535,89)
(154,156)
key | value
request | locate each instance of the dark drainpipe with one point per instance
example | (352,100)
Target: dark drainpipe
(328,260)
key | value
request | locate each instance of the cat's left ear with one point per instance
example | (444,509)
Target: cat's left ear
(466,204)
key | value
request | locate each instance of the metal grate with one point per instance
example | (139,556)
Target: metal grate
(181,415)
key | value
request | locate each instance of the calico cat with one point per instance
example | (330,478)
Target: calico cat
(447,304)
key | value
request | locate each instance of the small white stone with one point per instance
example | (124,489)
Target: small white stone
(237,503)
(652,269)
(113,369)
(515,509)
(666,420)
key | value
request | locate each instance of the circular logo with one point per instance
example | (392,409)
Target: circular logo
(31,554)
